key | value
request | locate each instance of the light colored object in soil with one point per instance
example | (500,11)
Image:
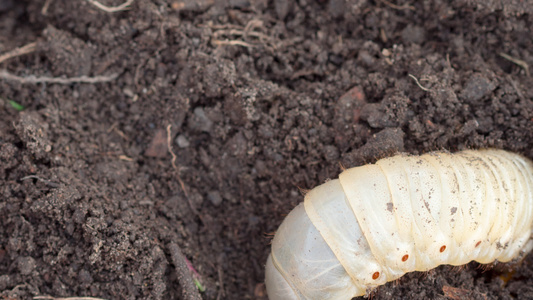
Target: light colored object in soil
(182,141)
(405,213)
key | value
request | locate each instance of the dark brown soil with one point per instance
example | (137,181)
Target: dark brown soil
(263,98)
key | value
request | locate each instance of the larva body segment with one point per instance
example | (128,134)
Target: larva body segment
(405,213)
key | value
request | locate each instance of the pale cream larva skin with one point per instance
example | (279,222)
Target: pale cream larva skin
(405,213)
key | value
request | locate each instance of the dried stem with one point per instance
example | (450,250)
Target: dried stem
(34,79)
(232,43)
(516,61)
(111,9)
(175,167)
(44,10)
(29,48)
(418,83)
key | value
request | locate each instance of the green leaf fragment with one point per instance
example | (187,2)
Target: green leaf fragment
(200,287)
(16,105)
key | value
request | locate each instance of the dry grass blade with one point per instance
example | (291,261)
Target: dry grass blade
(177,170)
(517,61)
(34,79)
(418,83)
(233,43)
(112,9)
(29,48)
(44,10)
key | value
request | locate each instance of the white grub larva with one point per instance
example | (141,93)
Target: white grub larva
(402,214)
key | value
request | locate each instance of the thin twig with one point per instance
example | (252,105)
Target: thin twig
(231,35)
(34,79)
(65,298)
(418,83)
(124,157)
(111,9)
(169,146)
(448,60)
(29,48)
(221,292)
(44,10)
(233,43)
(188,288)
(516,61)
(175,167)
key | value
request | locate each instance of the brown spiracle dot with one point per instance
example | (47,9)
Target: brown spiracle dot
(405,257)
(442,248)
(375,275)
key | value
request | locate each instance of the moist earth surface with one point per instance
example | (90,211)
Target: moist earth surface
(194,126)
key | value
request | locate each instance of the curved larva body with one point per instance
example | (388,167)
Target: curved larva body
(406,213)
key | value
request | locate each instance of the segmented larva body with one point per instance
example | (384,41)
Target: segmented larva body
(402,214)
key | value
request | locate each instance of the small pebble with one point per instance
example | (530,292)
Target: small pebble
(214,197)
(85,277)
(182,141)
(26,265)
(200,121)
(158,145)
(413,34)
(336,8)
(6,5)
(477,87)
(331,153)
(283,8)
